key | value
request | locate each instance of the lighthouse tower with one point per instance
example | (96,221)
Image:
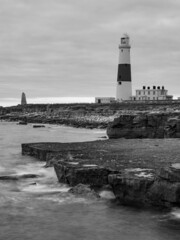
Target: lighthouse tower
(124,86)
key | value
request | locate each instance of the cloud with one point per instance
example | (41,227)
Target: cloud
(70,48)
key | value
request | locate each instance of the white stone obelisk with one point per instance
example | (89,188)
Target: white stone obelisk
(23,99)
(124,85)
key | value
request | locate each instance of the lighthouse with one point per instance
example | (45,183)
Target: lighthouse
(124,85)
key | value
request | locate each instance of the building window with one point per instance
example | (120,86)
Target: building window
(144,92)
(121,50)
(148,98)
(139,98)
(139,93)
(119,83)
(154,92)
(148,92)
(153,98)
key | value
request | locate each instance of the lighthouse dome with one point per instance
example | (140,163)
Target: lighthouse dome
(125,40)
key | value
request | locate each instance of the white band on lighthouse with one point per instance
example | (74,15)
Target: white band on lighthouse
(124,86)
(124,55)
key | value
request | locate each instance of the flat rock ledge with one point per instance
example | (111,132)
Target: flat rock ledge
(136,178)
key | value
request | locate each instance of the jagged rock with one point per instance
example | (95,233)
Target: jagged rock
(74,173)
(50,163)
(34,183)
(38,126)
(106,192)
(164,193)
(172,127)
(148,125)
(147,188)
(171,174)
(131,187)
(84,191)
(18,177)
(22,123)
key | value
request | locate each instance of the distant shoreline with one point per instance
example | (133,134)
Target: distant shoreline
(83,115)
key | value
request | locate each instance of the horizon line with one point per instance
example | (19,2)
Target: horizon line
(5,102)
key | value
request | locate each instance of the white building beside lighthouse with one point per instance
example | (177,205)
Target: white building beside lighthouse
(124,85)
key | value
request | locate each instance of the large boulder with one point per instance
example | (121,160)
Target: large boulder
(82,190)
(166,189)
(170,174)
(172,127)
(131,187)
(144,187)
(165,194)
(74,173)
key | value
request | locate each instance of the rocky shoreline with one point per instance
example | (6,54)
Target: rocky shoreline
(74,115)
(141,166)
(89,115)
(140,172)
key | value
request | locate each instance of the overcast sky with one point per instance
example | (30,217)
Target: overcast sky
(69,48)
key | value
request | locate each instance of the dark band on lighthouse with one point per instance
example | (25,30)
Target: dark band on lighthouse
(124,73)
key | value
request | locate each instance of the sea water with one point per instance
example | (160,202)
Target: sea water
(42,208)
